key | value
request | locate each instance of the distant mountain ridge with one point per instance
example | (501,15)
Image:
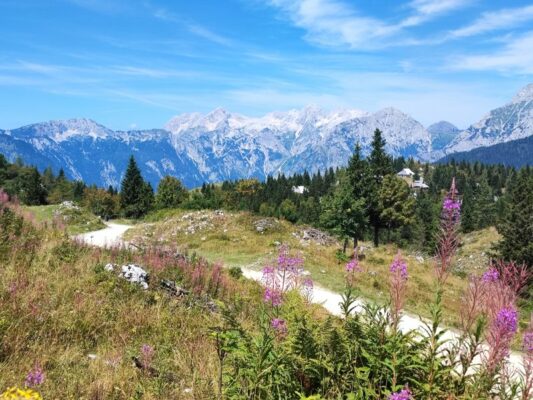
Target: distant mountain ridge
(516,153)
(442,133)
(220,145)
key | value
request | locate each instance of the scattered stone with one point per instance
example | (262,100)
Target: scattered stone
(420,259)
(135,274)
(265,224)
(322,271)
(316,236)
(172,288)
(109,267)
(92,356)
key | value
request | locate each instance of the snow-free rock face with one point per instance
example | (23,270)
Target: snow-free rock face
(442,133)
(510,122)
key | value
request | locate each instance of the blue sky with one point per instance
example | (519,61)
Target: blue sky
(135,64)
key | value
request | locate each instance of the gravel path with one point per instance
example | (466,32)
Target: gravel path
(112,236)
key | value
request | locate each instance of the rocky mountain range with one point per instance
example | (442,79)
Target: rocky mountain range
(220,145)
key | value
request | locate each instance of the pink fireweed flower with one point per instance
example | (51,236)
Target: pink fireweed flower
(491,275)
(307,289)
(448,236)
(507,320)
(280,326)
(404,394)
(399,266)
(450,204)
(500,335)
(147,355)
(527,342)
(35,377)
(397,286)
(273,297)
(286,275)
(353,266)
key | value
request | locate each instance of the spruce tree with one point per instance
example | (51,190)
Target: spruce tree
(396,203)
(517,225)
(380,165)
(134,194)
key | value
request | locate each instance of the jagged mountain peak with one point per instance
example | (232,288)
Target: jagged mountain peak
(60,130)
(524,94)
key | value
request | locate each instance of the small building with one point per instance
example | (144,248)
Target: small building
(407,175)
(299,189)
(419,185)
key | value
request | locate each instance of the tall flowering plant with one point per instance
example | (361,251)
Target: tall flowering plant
(285,275)
(527,348)
(397,285)
(448,239)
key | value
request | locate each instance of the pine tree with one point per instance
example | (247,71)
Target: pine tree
(396,203)
(380,165)
(517,226)
(134,193)
(469,213)
(33,191)
(171,193)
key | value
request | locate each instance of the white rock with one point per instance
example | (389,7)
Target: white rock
(109,267)
(135,274)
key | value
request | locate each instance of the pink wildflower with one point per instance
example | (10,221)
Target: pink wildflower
(491,275)
(397,286)
(35,377)
(404,394)
(279,325)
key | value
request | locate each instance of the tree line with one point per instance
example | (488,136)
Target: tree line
(366,200)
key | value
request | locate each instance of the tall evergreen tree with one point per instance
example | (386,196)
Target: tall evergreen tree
(380,164)
(517,226)
(396,203)
(134,193)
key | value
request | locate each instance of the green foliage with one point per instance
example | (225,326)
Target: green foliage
(517,226)
(288,210)
(170,193)
(395,202)
(136,195)
(101,202)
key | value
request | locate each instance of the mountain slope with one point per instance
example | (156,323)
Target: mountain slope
(442,133)
(214,147)
(516,153)
(510,122)
(221,146)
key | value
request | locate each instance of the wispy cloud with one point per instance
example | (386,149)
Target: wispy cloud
(194,28)
(426,10)
(515,57)
(334,22)
(496,20)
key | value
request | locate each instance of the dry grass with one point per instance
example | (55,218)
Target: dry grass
(59,308)
(232,238)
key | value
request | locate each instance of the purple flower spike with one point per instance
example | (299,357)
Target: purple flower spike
(507,320)
(35,377)
(527,342)
(279,325)
(492,275)
(404,394)
(399,266)
(353,266)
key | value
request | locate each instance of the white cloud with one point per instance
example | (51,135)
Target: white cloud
(515,57)
(336,23)
(198,30)
(333,23)
(426,10)
(496,20)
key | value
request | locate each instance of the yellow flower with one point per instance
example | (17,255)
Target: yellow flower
(20,394)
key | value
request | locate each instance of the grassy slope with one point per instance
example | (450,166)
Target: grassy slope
(233,239)
(75,220)
(59,308)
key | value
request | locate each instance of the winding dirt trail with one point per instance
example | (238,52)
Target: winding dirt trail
(112,236)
